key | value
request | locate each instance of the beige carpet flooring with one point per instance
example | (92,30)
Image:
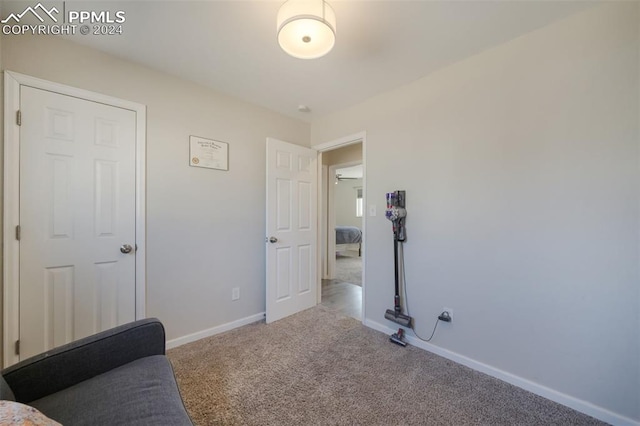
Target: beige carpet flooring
(319,367)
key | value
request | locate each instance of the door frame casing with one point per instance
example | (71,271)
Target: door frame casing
(11,199)
(360,137)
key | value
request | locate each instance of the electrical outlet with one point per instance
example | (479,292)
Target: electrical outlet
(235,293)
(445,309)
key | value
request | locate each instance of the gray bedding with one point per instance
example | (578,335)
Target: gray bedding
(348,235)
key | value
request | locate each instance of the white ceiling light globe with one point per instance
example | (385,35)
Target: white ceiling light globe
(306,28)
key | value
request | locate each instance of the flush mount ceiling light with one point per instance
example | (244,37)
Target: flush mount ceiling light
(306,28)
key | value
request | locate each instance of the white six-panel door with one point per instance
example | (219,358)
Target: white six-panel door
(291,229)
(77,209)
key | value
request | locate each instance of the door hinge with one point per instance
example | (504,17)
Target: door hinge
(17,347)
(18,232)
(19,118)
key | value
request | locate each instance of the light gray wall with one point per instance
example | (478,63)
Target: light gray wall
(345,202)
(205,228)
(521,171)
(1,195)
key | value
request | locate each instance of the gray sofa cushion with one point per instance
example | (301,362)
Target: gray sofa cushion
(5,391)
(67,365)
(143,392)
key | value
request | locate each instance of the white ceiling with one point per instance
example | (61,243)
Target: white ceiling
(231,46)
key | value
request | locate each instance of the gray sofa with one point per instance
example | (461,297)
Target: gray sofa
(118,377)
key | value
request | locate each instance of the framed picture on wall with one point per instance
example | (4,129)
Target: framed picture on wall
(208,153)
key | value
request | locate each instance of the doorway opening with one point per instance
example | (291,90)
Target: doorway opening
(343,229)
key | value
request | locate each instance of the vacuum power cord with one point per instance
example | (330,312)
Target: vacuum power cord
(406,300)
(432,333)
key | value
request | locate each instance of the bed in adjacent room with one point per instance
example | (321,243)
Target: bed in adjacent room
(348,236)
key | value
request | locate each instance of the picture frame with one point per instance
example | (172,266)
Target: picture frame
(208,153)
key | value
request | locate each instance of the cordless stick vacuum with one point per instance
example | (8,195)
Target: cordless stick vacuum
(397,213)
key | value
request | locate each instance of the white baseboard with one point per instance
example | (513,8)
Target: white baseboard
(174,343)
(559,397)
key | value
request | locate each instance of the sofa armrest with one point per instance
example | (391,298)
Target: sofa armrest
(83,359)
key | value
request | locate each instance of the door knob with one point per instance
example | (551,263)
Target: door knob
(273,240)
(126,248)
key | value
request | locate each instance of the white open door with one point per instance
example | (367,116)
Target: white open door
(291,229)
